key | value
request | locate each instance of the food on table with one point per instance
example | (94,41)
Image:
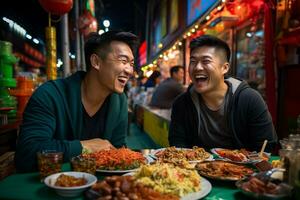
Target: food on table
(277,164)
(168,179)
(175,155)
(124,187)
(223,170)
(264,186)
(241,155)
(117,159)
(234,155)
(82,164)
(263,165)
(69,181)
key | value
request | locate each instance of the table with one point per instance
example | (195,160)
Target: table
(28,186)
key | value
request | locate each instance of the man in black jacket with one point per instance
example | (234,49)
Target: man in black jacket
(218,112)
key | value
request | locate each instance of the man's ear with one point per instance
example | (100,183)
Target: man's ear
(225,67)
(95,61)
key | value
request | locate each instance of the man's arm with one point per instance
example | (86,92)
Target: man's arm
(260,122)
(38,130)
(177,133)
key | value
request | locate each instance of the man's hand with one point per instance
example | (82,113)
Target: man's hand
(96,144)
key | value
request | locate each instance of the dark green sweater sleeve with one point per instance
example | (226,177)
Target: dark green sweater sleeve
(119,130)
(39,131)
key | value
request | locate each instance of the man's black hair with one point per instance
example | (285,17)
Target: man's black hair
(175,69)
(211,41)
(99,44)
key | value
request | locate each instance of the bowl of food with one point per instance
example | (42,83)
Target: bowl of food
(70,184)
(264,186)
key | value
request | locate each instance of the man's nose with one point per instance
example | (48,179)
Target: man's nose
(199,66)
(129,70)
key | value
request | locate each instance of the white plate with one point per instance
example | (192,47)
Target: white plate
(70,191)
(220,177)
(248,161)
(148,158)
(211,157)
(205,189)
(116,171)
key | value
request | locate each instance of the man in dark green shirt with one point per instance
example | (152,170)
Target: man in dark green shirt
(86,110)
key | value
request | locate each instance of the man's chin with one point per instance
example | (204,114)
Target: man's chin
(119,90)
(199,89)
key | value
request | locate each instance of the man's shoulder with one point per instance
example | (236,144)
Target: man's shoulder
(118,100)
(249,93)
(61,86)
(47,87)
(182,98)
(118,97)
(249,98)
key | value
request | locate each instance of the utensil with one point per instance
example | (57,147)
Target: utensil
(263,148)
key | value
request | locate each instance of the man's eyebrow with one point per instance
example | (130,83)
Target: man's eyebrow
(125,56)
(204,57)
(200,57)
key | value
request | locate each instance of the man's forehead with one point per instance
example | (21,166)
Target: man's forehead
(204,50)
(121,49)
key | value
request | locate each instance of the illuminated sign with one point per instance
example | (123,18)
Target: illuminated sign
(197,8)
(143,54)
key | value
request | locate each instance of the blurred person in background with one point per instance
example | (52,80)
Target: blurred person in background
(142,80)
(153,80)
(85,111)
(165,93)
(217,111)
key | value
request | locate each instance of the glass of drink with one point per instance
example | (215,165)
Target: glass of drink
(49,162)
(83,164)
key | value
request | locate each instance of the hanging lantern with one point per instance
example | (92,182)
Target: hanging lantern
(87,23)
(57,7)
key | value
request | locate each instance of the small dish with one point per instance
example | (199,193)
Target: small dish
(223,170)
(261,186)
(70,191)
(240,156)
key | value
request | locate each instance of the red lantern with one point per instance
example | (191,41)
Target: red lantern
(57,7)
(87,23)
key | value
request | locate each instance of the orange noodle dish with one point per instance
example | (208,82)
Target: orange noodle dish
(117,159)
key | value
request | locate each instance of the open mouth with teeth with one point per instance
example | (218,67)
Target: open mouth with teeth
(200,78)
(122,80)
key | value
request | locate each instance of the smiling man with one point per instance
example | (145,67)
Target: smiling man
(218,111)
(87,110)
